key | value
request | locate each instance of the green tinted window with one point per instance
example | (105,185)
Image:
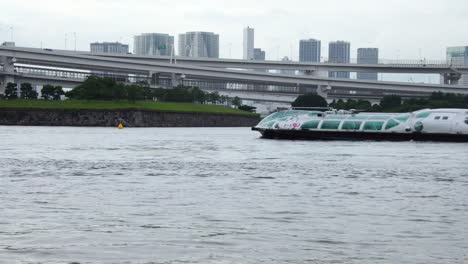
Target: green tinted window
(351,125)
(380,117)
(336,117)
(311,124)
(373,125)
(402,118)
(314,113)
(270,124)
(423,115)
(391,124)
(359,117)
(330,124)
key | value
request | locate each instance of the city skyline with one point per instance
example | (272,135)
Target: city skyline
(395,32)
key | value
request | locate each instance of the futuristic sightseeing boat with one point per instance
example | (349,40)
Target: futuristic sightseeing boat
(448,125)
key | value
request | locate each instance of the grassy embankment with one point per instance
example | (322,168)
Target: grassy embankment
(147,105)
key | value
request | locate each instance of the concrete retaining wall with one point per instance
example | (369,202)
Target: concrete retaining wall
(131,117)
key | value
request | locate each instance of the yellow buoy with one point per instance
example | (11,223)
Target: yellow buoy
(120,126)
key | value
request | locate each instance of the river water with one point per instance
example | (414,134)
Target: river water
(223,195)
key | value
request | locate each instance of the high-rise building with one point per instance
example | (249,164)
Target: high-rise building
(259,55)
(367,56)
(109,47)
(339,52)
(249,43)
(153,44)
(458,56)
(199,44)
(309,50)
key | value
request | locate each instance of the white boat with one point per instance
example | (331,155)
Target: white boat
(424,125)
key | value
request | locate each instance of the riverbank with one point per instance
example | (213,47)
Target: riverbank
(107,114)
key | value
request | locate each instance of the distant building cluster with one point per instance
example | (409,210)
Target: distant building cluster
(199,44)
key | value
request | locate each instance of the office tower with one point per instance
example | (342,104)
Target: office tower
(368,56)
(259,55)
(199,44)
(309,50)
(109,47)
(339,52)
(153,44)
(458,56)
(249,42)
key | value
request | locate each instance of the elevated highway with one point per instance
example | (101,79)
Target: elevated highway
(384,66)
(153,68)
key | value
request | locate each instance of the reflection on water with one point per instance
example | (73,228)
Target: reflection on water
(102,195)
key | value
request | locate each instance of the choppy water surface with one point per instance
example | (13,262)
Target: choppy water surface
(100,195)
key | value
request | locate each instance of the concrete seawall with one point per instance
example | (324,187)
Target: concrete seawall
(131,117)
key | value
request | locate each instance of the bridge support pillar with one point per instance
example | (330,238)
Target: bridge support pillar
(8,68)
(154,78)
(452,78)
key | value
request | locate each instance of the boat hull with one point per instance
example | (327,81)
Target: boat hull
(306,134)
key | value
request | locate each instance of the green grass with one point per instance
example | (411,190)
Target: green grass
(147,105)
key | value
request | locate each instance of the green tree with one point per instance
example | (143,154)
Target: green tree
(27,91)
(135,93)
(390,102)
(11,91)
(247,108)
(50,92)
(198,95)
(214,97)
(310,100)
(236,101)
(47,92)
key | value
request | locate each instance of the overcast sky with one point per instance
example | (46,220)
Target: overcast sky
(402,29)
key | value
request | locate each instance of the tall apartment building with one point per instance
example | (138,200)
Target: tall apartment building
(339,52)
(248,43)
(199,44)
(153,44)
(109,47)
(459,56)
(309,50)
(368,56)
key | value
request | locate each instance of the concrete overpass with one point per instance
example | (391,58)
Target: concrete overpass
(10,57)
(385,66)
